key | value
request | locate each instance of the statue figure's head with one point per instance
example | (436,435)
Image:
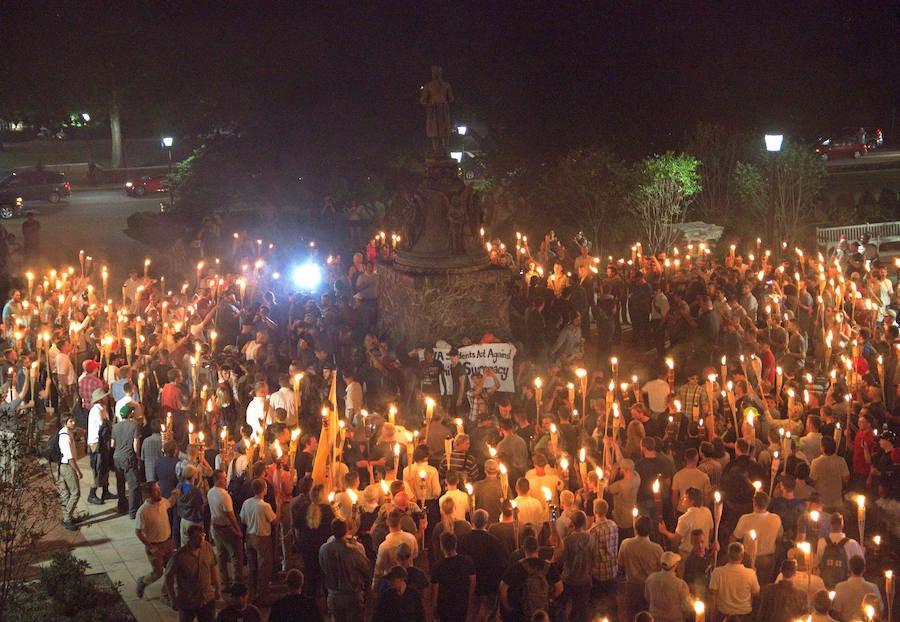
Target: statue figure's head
(436,72)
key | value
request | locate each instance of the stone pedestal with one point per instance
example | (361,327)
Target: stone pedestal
(416,307)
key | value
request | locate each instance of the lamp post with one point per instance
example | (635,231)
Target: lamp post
(167,143)
(773,146)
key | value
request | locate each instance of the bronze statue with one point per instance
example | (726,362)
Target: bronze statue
(437,96)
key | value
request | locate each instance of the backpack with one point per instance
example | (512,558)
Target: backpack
(52,451)
(536,596)
(834,563)
(236,487)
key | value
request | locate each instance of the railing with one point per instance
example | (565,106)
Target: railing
(829,237)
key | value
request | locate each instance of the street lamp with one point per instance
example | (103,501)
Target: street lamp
(167,143)
(462,129)
(773,146)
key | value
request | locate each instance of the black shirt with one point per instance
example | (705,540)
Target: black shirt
(452,575)
(295,608)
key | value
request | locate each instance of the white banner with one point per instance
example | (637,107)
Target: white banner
(498,356)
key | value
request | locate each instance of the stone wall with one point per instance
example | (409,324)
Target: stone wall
(416,308)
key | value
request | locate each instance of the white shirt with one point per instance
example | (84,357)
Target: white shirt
(387,553)
(284,398)
(256,410)
(460,503)
(735,585)
(657,391)
(258,516)
(153,520)
(693,518)
(65,370)
(768,530)
(65,445)
(530,510)
(220,506)
(353,399)
(95,419)
(430,488)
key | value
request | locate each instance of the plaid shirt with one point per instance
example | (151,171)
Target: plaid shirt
(606,535)
(87,384)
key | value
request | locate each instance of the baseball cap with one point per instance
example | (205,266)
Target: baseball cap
(91,365)
(491,466)
(669,560)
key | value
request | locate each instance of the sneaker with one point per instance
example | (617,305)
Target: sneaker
(70,525)
(95,500)
(140,587)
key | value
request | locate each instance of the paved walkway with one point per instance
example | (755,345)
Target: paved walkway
(107,542)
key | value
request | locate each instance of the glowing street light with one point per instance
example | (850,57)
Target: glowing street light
(773,146)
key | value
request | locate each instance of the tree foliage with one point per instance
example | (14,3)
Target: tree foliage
(666,186)
(588,187)
(719,150)
(797,179)
(29,506)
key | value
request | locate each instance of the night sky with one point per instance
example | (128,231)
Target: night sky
(549,75)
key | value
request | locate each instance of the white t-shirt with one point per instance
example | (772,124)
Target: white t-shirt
(95,419)
(657,391)
(530,510)
(219,505)
(460,503)
(694,518)
(258,516)
(768,530)
(153,520)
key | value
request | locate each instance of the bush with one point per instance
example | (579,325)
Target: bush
(72,592)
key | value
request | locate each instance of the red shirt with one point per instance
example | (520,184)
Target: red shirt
(867,439)
(87,384)
(170,398)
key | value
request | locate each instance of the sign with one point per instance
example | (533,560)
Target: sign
(498,356)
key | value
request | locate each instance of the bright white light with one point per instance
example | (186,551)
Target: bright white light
(167,141)
(307,277)
(462,129)
(773,142)
(456,155)
(85,116)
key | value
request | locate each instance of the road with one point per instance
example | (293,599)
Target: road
(94,220)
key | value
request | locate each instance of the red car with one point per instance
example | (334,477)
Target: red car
(846,147)
(148,183)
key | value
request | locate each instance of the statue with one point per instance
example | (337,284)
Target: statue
(437,96)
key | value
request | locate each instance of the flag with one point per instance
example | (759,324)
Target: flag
(321,473)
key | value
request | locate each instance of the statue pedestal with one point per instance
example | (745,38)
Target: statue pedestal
(418,306)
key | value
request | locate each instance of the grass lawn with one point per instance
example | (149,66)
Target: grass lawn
(138,152)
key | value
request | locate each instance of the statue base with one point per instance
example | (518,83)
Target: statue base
(419,306)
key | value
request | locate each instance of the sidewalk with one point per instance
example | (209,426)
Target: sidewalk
(108,543)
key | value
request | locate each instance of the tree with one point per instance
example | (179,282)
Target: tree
(719,150)
(587,187)
(29,505)
(666,186)
(797,179)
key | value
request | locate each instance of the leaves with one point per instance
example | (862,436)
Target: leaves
(663,195)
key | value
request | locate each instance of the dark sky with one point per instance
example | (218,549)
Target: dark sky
(548,74)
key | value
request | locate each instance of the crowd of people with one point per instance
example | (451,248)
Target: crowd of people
(686,434)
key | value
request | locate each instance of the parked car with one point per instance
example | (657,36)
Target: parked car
(840,147)
(10,205)
(37,185)
(874,137)
(148,183)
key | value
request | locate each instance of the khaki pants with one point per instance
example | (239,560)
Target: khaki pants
(158,556)
(259,558)
(69,490)
(229,555)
